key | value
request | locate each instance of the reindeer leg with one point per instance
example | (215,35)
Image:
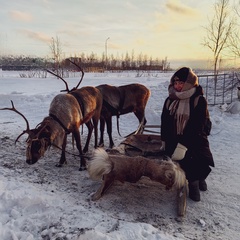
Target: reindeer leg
(109,131)
(95,125)
(90,129)
(102,127)
(63,157)
(108,180)
(76,135)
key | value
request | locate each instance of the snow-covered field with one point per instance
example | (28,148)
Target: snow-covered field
(42,201)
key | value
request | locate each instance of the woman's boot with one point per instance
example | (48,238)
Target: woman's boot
(194,192)
(202,185)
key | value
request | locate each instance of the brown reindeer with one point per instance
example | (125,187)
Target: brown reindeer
(121,100)
(67,112)
(108,168)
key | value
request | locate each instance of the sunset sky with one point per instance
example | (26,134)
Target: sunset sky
(157,28)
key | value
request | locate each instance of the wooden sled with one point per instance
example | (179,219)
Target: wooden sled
(149,145)
(143,145)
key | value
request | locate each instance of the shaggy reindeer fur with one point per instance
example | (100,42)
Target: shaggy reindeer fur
(121,100)
(131,169)
(67,112)
(90,102)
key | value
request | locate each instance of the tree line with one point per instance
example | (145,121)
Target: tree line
(89,63)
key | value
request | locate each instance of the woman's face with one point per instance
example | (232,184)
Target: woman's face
(178,85)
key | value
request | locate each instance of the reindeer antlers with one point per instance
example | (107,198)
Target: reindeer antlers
(15,110)
(80,70)
(67,89)
(56,75)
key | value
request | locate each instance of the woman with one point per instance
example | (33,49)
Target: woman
(183,129)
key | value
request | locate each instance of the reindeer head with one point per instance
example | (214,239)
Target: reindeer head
(38,138)
(38,142)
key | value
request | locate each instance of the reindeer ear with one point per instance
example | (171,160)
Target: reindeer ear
(32,133)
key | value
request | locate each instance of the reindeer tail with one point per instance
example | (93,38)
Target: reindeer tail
(99,164)
(180,178)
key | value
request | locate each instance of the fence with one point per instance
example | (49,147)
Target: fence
(221,88)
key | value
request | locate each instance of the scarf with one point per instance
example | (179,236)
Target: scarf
(180,107)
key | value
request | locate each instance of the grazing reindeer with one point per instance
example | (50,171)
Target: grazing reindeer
(121,100)
(67,112)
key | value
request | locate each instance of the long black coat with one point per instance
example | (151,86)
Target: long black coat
(198,157)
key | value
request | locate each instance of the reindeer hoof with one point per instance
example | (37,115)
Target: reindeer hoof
(58,165)
(82,168)
(95,197)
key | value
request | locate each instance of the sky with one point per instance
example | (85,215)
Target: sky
(166,28)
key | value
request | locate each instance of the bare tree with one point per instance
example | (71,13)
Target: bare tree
(133,62)
(56,51)
(235,37)
(219,31)
(165,64)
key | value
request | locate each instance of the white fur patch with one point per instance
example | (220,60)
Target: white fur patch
(180,178)
(99,164)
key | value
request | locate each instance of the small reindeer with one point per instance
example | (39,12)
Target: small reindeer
(109,168)
(67,112)
(121,100)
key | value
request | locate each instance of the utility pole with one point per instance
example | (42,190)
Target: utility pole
(106,58)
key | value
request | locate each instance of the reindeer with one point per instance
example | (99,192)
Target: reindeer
(122,100)
(67,112)
(111,167)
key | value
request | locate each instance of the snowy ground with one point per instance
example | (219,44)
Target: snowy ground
(42,201)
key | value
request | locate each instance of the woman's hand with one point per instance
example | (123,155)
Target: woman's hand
(179,152)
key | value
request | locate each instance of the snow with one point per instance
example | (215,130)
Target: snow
(42,201)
